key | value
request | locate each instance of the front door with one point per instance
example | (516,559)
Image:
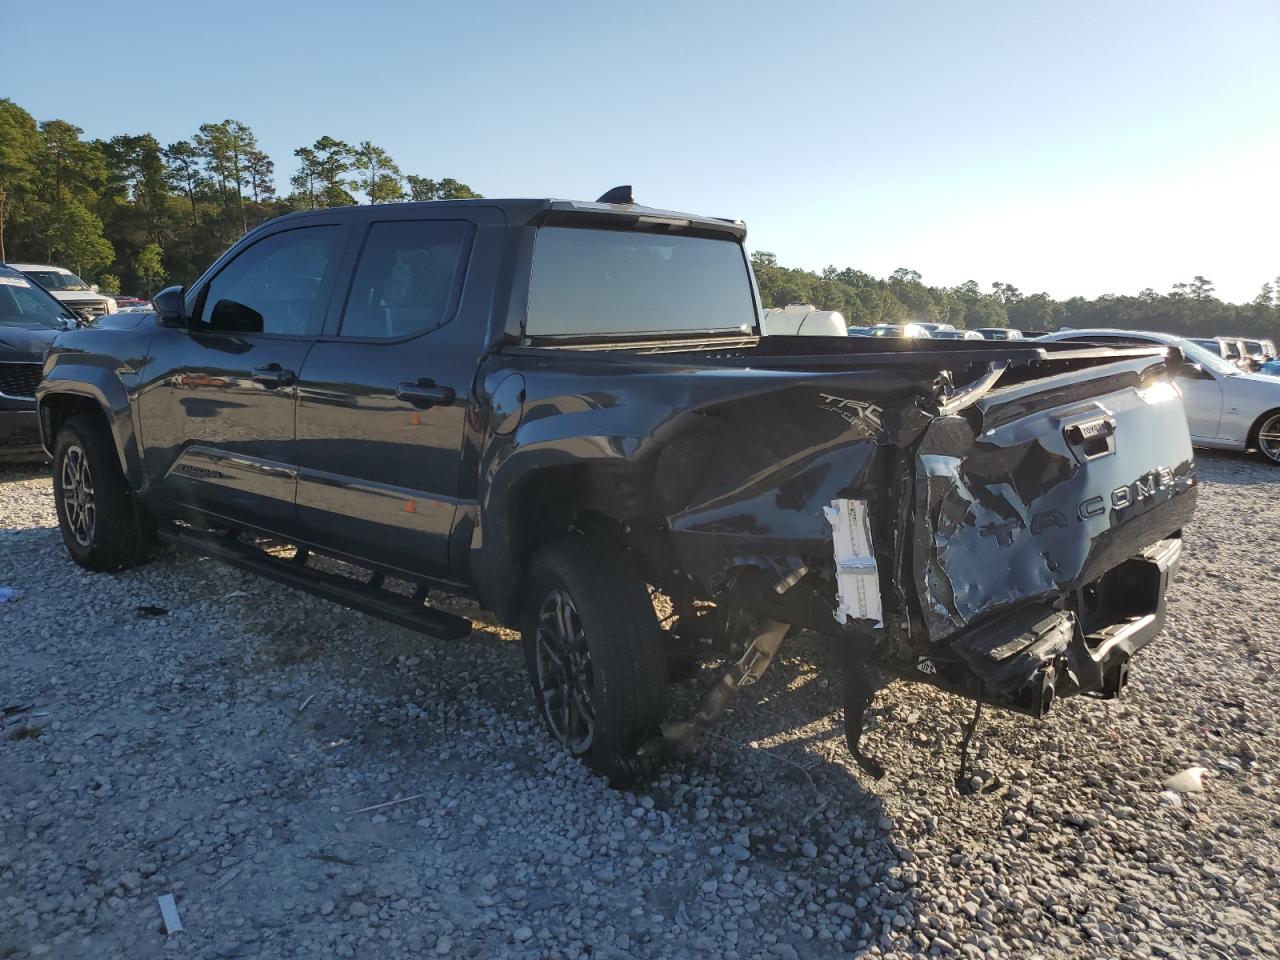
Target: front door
(217,413)
(382,397)
(1202,399)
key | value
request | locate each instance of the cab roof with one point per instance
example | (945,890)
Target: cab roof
(549,211)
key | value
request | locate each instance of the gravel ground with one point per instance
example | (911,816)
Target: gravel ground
(221,748)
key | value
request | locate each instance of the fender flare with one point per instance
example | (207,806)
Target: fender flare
(111,396)
(496,559)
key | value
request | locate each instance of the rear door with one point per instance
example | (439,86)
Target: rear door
(383,395)
(218,411)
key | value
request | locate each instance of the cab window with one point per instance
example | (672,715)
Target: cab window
(272,287)
(407,279)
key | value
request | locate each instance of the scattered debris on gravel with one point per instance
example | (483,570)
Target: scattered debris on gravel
(302,780)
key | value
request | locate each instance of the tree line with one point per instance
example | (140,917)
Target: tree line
(1188,309)
(133,215)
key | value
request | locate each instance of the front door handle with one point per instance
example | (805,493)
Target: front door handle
(273,375)
(425,393)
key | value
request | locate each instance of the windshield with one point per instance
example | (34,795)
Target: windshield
(615,283)
(1206,358)
(57,280)
(22,304)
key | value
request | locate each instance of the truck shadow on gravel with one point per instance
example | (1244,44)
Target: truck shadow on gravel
(769,811)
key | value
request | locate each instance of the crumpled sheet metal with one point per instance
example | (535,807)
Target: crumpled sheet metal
(1015,514)
(982,555)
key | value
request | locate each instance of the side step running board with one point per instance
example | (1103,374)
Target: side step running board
(405,611)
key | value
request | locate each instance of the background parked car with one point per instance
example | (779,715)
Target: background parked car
(899,330)
(1256,352)
(1227,408)
(999,333)
(859,331)
(69,289)
(956,335)
(1233,350)
(29,320)
(1214,345)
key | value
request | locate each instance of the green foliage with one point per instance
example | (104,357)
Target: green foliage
(422,188)
(149,267)
(108,283)
(19,164)
(376,174)
(75,238)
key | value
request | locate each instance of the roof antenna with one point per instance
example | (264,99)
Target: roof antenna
(618,195)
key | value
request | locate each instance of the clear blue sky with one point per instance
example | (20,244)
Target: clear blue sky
(1077,148)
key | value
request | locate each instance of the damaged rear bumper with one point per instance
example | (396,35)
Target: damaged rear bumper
(1027,659)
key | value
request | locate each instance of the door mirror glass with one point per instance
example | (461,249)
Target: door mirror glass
(171,308)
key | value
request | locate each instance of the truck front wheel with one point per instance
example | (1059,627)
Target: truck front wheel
(99,517)
(595,654)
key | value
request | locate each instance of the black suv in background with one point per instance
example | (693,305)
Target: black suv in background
(551,406)
(29,320)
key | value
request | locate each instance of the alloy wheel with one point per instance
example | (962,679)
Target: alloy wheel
(564,672)
(77,495)
(1269,438)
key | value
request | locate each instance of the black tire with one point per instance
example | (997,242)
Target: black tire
(620,661)
(105,529)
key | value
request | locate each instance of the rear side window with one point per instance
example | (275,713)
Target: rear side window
(407,278)
(272,286)
(611,282)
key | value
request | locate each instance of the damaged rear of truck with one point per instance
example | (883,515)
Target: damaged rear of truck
(997,519)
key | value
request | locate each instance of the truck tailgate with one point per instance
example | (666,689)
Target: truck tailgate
(1040,488)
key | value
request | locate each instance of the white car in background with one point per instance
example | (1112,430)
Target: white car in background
(69,289)
(1227,408)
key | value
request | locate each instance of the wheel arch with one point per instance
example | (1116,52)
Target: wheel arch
(60,397)
(543,503)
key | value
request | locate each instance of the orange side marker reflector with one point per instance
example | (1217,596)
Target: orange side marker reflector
(410,507)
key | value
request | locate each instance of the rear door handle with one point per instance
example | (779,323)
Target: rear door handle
(273,375)
(425,393)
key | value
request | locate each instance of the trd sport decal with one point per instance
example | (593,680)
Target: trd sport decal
(855,411)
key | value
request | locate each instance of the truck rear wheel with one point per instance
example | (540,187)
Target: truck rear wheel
(98,516)
(595,654)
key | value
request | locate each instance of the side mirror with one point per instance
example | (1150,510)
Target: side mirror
(171,308)
(1194,370)
(93,287)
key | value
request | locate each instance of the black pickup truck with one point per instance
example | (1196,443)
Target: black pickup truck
(565,411)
